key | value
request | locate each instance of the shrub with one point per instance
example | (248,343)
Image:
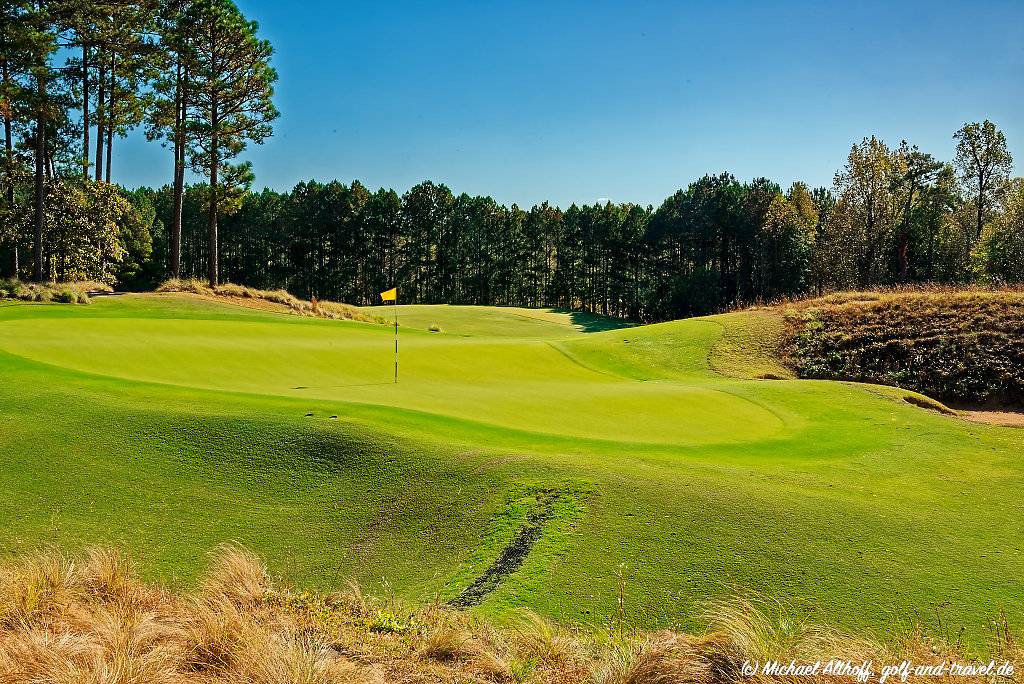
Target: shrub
(184,285)
(65,295)
(232,290)
(87,286)
(281,297)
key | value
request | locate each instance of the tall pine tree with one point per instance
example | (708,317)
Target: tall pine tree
(232,88)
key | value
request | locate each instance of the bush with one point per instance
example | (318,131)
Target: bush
(232,290)
(65,296)
(85,286)
(184,285)
(64,293)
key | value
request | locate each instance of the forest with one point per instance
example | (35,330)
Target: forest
(196,77)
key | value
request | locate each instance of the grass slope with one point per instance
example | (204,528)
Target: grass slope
(168,424)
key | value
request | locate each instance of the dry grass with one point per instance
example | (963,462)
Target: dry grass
(65,293)
(247,296)
(961,345)
(882,294)
(661,658)
(88,618)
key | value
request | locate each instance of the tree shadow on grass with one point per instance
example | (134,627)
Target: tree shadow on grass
(590,323)
(357,384)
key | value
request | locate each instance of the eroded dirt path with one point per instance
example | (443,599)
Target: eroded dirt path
(512,556)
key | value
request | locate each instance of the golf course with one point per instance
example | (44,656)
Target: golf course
(545,458)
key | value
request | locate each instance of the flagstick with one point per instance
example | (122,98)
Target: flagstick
(396,338)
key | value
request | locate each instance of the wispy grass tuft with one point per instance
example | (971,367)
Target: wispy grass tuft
(89,618)
(63,293)
(240,293)
(236,575)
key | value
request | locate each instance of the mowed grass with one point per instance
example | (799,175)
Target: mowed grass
(168,424)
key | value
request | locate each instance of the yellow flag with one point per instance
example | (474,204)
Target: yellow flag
(389,296)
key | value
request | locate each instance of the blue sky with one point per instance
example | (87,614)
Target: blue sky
(579,101)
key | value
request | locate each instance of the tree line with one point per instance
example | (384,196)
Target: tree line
(894,215)
(194,73)
(196,77)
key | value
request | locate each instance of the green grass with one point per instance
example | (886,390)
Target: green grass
(168,424)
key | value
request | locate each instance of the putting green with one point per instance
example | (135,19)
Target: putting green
(169,423)
(524,384)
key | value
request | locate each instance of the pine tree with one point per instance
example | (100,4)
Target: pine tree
(170,106)
(15,108)
(232,86)
(40,42)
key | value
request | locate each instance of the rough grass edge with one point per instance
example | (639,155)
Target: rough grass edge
(79,617)
(877,294)
(315,308)
(65,293)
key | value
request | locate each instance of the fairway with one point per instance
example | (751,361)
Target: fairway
(169,423)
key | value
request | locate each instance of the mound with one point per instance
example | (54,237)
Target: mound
(505,371)
(278,301)
(952,345)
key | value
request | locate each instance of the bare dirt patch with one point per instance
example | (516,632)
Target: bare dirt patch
(1005,418)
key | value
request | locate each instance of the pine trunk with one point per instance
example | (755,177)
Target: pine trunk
(212,256)
(179,174)
(213,265)
(101,98)
(85,111)
(40,185)
(9,153)
(110,116)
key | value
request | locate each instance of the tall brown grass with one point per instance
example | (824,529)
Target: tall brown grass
(302,307)
(881,294)
(65,293)
(960,345)
(88,618)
